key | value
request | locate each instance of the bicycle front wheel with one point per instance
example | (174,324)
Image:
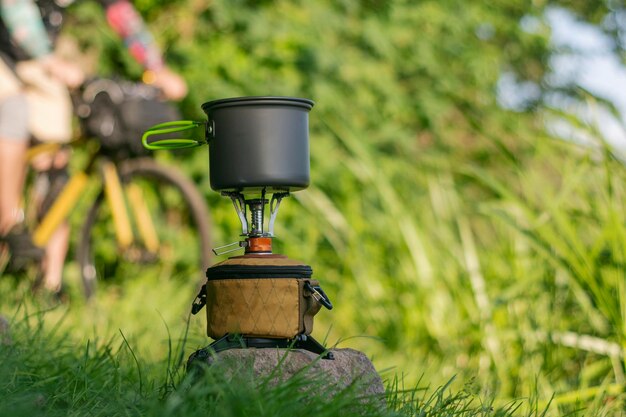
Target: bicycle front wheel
(170,227)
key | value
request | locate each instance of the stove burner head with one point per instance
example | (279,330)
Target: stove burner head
(252,214)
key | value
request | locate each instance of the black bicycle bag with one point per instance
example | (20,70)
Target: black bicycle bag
(118,112)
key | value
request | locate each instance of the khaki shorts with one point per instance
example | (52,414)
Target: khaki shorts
(49,103)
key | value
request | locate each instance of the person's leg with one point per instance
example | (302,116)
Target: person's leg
(56,249)
(11,181)
(13,145)
(50,121)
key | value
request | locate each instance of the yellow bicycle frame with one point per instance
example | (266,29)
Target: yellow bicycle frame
(115,198)
(142,217)
(114,193)
(61,208)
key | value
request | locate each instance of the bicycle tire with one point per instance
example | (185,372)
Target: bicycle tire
(153,174)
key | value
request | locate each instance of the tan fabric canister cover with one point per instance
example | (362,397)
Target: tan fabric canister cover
(260,297)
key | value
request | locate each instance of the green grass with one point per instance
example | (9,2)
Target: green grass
(44,371)
(480,284)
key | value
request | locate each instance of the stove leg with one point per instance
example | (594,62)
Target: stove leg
(308,343)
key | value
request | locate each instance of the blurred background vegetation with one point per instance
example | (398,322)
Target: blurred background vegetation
(456,233)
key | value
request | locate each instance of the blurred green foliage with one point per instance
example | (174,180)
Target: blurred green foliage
(456,233)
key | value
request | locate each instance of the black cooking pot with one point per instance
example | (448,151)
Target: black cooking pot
(254,143)
(258,142)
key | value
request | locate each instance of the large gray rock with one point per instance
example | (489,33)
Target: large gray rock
(350,367)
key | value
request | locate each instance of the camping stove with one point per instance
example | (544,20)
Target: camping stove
(258,155)
(260,299)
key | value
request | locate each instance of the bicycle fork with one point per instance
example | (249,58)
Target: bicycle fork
(115,197)
(116,194)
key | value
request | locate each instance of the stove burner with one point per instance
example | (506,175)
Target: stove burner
(258,239)
(258,154)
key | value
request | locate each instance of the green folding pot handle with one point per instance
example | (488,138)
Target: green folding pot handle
(172,127)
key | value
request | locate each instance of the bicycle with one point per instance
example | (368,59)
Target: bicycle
(145,214)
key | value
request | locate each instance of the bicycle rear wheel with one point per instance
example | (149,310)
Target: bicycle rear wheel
(180,218)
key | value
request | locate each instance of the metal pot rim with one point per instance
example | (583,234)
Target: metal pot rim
(258,101)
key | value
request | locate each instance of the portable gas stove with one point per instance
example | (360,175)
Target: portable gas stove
(258,155)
